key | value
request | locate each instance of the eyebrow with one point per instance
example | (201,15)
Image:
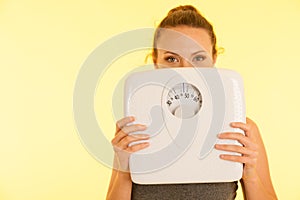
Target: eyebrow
(170,52)
(201,51)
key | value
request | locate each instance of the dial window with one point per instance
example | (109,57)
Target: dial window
(184,100)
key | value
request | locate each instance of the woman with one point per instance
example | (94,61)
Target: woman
(256,180)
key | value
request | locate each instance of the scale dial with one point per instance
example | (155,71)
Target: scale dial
(184,100)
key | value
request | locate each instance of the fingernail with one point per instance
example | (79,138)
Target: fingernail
(144,136)
(232,123)
(146,144)
(143,126)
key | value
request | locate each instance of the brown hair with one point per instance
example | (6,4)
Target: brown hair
(184,15)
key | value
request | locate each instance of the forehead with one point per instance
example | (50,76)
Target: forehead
(184,39)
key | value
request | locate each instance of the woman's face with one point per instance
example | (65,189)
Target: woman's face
(184,46)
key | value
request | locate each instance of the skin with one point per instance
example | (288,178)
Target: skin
(256,181)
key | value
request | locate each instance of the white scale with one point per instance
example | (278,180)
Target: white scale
(184,109)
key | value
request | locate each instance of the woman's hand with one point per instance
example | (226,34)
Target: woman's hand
(256,180)
(251,150)
(122,140)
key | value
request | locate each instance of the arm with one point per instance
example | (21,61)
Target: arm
(256,181)
(120,184)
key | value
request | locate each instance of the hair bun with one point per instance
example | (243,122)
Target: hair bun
(183,8)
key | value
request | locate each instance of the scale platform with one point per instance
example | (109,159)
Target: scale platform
(184,110)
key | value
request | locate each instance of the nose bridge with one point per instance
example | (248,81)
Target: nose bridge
(185,63)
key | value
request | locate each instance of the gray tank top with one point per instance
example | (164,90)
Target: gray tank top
(206,191)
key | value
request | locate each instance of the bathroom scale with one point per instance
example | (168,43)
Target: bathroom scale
(184,110)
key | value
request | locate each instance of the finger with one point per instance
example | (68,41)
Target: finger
(123,122)
(124,143)
(241,125)
(236,136)
(241,159)
(235,158)
(236,149)
(137,147)
(133,128)
(126,130)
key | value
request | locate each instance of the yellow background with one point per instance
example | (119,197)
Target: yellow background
(44,43)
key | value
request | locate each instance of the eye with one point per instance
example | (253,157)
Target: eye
(171,59)
(199,58)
